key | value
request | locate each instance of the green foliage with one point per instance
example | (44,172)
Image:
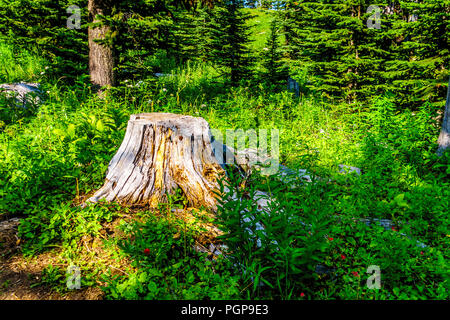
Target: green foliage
(44,160)
(62,224)
(313,245)
(52,277)
(193,34)
(348,61)
(19,65)
(276,71)
(41,25)
(230,37)
(279,260)
(417,68)
(138,30)
(167,267)
(218,35)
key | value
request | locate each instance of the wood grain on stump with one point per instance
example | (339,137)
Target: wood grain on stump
(160,153)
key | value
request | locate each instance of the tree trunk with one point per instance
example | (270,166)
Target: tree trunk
(160,153)
(444,137)
(102,58)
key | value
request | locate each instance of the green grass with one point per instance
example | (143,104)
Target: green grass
(260,31)
(17,66)
(61,151)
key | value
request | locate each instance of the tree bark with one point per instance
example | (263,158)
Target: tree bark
(444,137)
(102,58)
(160,153)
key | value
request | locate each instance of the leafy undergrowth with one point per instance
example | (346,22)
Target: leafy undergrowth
(52,158)
(168,267)
(312,246)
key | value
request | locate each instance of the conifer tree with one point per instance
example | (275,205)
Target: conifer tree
(203,33)
(418,67)
(43,25)
(185,44)
(229,39)
(331,39)
(408,55)
(272,56)
(192,31)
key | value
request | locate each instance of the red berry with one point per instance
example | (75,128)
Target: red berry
(147,251)
(302,294)
(330,238)
(356,274)
(343,257)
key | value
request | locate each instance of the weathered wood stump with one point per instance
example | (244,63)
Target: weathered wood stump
(160,153)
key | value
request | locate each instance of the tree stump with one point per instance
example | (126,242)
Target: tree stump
(160,153)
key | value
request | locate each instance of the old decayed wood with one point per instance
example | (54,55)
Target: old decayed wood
(160,153)
(444,137)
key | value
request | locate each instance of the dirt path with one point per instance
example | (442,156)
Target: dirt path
(20,276)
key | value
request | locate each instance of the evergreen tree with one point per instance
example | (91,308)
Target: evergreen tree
(229,39)
(265,4)
(42,24)
(331,40)
(288,23)
(140,29)
(408,55)
(131,31)
(418,66)
(192,31)
(185,40)
(203,33)
(272,57)
(250,3)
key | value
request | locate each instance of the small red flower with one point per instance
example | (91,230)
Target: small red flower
(421,252)
(330,238)
(302,294)
(343,257)
(356,274)
(394,229)
(147,251)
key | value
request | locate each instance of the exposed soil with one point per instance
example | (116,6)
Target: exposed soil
(21,277)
